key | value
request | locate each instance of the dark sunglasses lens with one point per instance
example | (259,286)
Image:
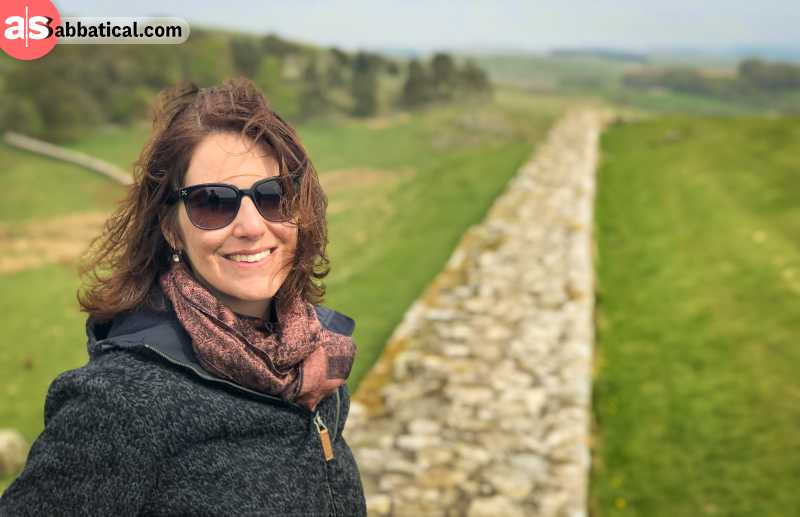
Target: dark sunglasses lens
(212,208)
(269,195)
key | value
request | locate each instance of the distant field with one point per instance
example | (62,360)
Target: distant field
(402,191)
(697,397)
(574,74)
(601,78)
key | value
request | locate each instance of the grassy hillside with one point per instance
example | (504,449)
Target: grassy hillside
(402,191)
(697,398)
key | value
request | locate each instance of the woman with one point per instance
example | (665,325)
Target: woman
(215,384)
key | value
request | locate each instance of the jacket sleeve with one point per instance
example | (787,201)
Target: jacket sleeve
(92,457)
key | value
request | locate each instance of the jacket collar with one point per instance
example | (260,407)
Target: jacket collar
(160,333)
(162,330)
(159,330)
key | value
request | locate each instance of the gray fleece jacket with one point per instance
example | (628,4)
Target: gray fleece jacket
(143,429)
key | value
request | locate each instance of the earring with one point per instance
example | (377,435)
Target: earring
(176,257)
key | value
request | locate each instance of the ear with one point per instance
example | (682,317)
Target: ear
(172,239)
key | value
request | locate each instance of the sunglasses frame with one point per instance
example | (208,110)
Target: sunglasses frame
(183,194)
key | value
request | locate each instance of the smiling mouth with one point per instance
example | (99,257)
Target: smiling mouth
(251,259)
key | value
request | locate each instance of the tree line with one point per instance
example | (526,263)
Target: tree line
(76,87)
(752,77)
(443,80)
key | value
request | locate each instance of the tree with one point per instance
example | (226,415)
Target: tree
(207,60)
(313,98)
(281,97)
(273,45)
(443,76)
(20,115)
(334,75)
(155,66)
(246,55)
(770,76)
(72,116)
(474,79)
(416,90)
(128,105)
(364,86)
(337,66)
(341,57)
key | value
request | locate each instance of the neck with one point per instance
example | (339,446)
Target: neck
(259,309)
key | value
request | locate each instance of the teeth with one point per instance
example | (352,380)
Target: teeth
(250,258)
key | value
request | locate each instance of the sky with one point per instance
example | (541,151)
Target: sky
(432,25)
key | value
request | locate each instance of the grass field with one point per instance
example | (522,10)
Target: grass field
(402,192)
(697,397)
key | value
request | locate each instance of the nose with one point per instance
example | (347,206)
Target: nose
(249,221)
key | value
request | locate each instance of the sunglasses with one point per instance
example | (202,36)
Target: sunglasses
(211,206)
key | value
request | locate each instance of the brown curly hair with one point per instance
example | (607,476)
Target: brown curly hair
(133,247)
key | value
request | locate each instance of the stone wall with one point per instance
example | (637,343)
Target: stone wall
(480,404)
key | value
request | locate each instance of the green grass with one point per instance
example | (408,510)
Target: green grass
(115,144)
(684,103)
(388,239)
(42,325)
(38,187)
(697,398)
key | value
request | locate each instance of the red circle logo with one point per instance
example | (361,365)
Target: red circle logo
(27,28)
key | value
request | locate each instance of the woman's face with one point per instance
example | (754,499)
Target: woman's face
(244,288)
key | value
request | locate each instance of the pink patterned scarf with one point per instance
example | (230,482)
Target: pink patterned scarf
(301,361)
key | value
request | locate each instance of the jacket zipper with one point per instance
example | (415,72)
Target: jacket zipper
(327,452)
(336,423)
(322,430)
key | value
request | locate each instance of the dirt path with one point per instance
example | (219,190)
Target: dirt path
(60,239)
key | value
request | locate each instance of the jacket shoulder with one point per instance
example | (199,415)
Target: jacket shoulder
(95,435)
(335,321)
(116,377)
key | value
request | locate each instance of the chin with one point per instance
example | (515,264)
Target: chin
(254,296)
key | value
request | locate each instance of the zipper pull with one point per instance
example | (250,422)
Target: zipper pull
(322,429)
